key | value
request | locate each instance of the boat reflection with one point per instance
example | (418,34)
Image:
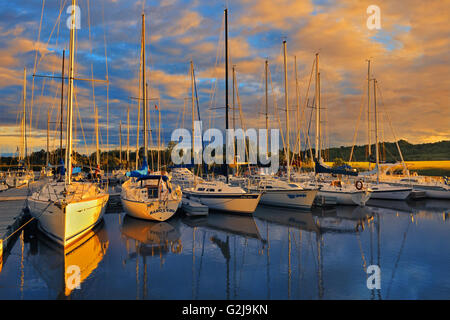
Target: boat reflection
(340,219)
(241,225)
(319,221)
(151,239)
(224,231)
(413,206)
(54,263)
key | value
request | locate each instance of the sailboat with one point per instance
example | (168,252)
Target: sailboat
(148,196)
(67,210)
(219,195)
(284,193)
(334,192)
(384,190)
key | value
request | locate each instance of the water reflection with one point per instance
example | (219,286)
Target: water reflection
(225,231)
(344,219)
(51,261)
(273,254)
(241,225)
(147,239)
(318,222)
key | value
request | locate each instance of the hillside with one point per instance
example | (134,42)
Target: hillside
(436,151)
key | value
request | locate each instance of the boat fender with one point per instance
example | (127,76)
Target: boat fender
(178,194)
(359,184)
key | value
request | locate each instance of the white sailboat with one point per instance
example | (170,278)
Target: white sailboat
(67,210)
(341,193)
(281,193)
(334,192)
(145,196)
(433,188)
(384,190)
(219,195)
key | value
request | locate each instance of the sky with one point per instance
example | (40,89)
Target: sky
(409,59)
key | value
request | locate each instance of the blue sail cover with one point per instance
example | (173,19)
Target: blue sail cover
(143,171)
(76,170)
(346,170)
(61,169)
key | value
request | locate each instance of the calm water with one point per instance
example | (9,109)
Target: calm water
(276,254)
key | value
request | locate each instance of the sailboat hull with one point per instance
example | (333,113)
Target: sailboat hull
(345,198)
(150,210)
(239,203)
(302,199)
(391,194)
(65,225)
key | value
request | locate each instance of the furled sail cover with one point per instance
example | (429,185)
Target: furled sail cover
(369,173)
(143,171)
(346,170)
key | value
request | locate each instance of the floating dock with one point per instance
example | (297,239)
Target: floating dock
(12,205)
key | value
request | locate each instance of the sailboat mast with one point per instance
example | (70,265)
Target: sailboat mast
(48,124)
(159,135)
(317,106)
(62,107)
(128,136)
(234,94)
(68,178)
(97,142)
(297,101)
(226,82)
(193,114)
(377,155)
(144,93)
(320,116)
(286,101)
(24,116)
(236,168)
(266,67)
(369,147)
(120,143)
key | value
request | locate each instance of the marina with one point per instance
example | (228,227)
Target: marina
(230,154)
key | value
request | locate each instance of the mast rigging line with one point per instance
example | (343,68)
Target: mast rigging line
(392,129)
(357,124)
(303,108)
(36,62)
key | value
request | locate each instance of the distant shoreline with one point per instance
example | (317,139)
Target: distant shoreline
(427,168)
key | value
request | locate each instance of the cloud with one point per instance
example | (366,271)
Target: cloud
(409,59)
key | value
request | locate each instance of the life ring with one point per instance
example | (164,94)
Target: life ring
(359,184)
